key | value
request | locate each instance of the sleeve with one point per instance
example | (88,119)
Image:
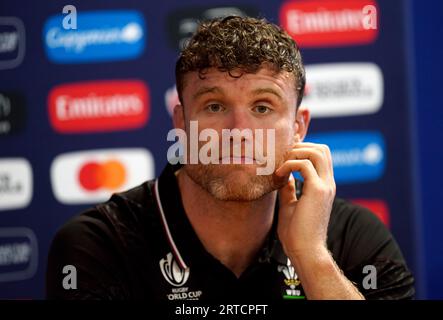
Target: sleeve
(87,245)
(369,255)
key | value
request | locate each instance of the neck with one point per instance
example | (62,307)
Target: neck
(231,231)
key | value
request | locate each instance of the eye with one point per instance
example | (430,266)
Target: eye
(262,109)
(215,108)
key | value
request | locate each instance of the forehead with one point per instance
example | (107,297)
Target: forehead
(237,80)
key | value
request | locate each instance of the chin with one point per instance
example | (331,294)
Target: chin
(239,183)
(231,182)
(236,191)
(239,170)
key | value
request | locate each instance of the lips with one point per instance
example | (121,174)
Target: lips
(237,160)
(242,160)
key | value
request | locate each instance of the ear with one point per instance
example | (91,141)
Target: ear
(302,120)
(178,117)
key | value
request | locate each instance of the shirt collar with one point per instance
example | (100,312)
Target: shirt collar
(181,236)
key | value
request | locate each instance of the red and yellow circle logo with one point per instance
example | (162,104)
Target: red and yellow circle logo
(109,175)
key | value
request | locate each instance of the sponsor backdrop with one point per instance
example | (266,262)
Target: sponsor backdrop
(85,109)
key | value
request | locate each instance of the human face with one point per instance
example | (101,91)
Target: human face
(261,100)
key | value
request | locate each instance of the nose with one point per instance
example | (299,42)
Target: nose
(239,119)
(240,124)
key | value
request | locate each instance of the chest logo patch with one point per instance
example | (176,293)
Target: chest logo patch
(172,272)
(291,281)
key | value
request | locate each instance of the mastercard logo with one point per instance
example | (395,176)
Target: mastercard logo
(108,175)
(92,176)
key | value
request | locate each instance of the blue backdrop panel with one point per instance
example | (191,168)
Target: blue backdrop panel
(138,42)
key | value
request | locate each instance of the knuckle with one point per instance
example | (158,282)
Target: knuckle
(327,190)
(325,149)
(319,153)
(320,189)
(332,190)
(307,163)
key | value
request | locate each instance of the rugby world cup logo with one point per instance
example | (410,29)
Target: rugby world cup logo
(172,272)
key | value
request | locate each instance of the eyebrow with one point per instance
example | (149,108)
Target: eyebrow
(205,90)
(267,90)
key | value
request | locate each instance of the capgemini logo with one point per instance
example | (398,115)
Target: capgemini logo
(132,32)
(106,35)
(358,156)
(172,272)
(372,154)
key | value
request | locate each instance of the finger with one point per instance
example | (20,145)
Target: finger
(317,157)
(322,147)
(287,194)
(304,166)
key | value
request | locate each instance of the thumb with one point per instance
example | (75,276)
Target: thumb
(287,193)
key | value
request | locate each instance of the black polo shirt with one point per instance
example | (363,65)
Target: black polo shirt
(140,245)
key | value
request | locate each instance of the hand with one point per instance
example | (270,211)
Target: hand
(303,223)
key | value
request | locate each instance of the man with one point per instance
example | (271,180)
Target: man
(217,231)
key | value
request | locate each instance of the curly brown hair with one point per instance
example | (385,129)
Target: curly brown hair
(240,43)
